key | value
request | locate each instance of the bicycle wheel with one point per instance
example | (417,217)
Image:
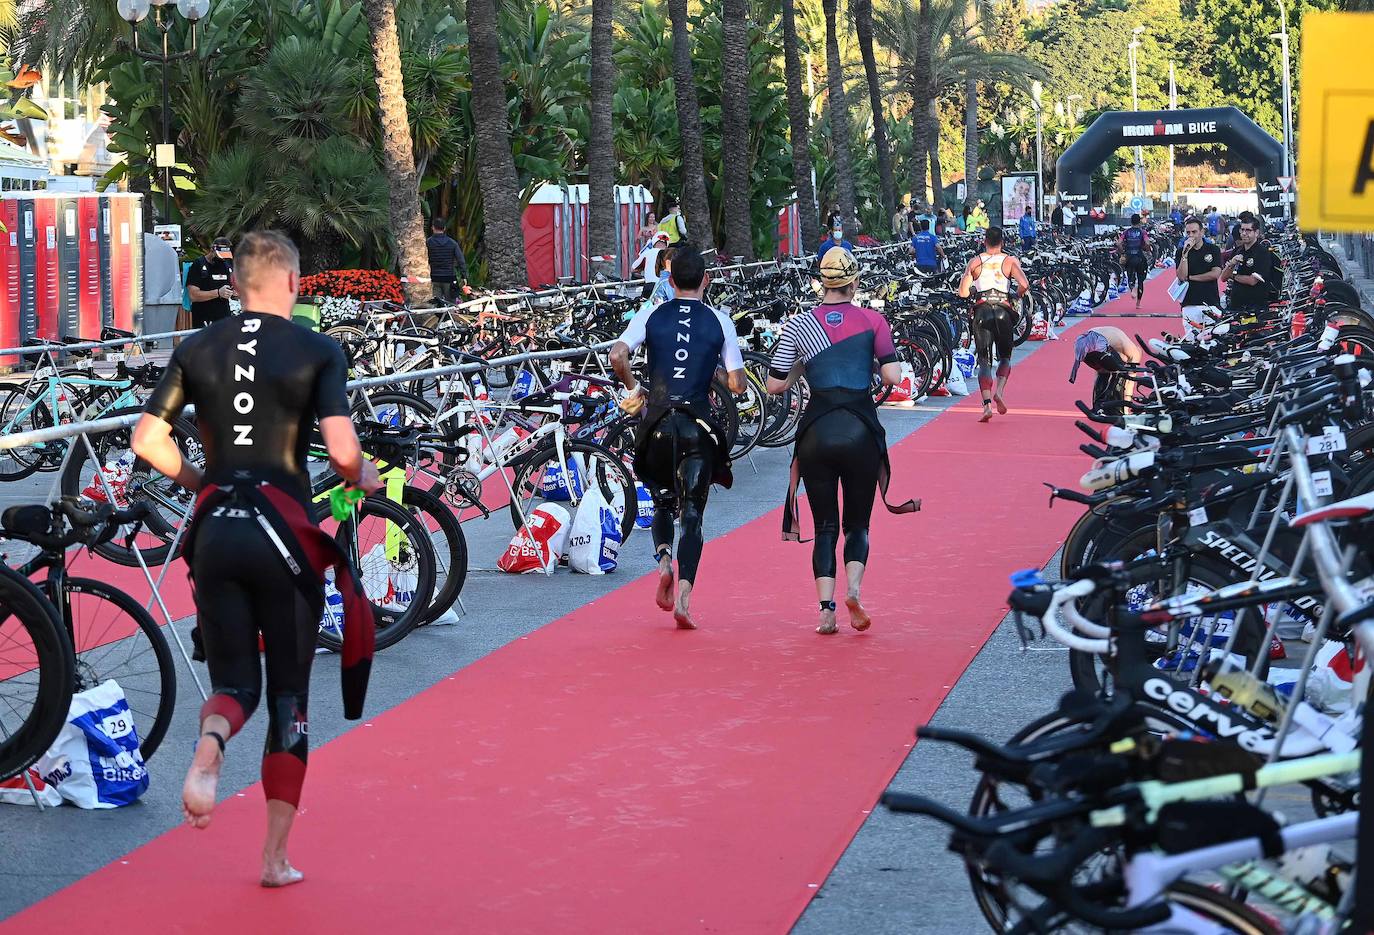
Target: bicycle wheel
(20,412)
(36,673)
(391,551)
(450,548)
(538,479)
(751,415)
(115,638)
(132,482)
(1221,909)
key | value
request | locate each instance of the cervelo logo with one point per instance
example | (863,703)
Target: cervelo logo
(1209,715)
(1160,128)
(243,400)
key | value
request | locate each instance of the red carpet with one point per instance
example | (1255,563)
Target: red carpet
(610,774)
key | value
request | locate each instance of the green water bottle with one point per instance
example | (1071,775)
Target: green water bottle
(342,500)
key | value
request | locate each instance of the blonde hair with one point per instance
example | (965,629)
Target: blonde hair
(264,250)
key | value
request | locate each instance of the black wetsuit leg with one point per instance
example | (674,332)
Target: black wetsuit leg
(677,465)
(1135,274)
(994,329)
(243,588)
(839,453)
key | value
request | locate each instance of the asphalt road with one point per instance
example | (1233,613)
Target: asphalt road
(895,876)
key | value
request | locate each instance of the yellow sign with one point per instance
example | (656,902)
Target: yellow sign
(1336,149)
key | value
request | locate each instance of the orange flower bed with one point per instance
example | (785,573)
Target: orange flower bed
(364,285)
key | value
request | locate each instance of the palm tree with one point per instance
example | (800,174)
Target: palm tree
(734,128)
(398,156)
(504,242)
(863,27)
(694,204)
(799,119)
(839,118)
(956,57)
(601,162)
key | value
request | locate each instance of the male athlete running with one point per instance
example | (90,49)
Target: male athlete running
(1132,246)
(259,382)
(987,280)
(679,449)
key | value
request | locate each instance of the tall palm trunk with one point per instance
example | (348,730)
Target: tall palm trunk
(937,182)
(863,27)
(398,156)
(970,141)
(600,146)
(799,118)
(504,242)
(921,100)
(694,203)
(839,119)
(734,128)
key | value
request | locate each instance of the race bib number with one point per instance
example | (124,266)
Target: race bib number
(1331,440)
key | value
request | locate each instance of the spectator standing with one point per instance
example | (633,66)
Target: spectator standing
(836,239)
(978,220)
(1198,263)
(647,263)
(161,285)
(445,261)
(1027,229)
(1213,223)
(964,218)
(901,223)
(674,224)
(647,229)
(1057,217)
(210,284)
(926,247)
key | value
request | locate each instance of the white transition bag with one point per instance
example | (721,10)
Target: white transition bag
(594,544)
(95,761)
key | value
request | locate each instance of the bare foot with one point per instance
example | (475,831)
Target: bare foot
(1000,404)
(198,792)
(987,413)
(279,873)
(683,618)
(664,596)
(828,625)
(858,617)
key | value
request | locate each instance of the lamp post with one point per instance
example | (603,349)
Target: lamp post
(135,11)
(1282,36)
(1039,149)
(1173,105)
(1135,105)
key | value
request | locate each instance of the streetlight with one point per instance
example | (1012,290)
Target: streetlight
(1135,105)
(1282,36)
(133,12)
(1039,150)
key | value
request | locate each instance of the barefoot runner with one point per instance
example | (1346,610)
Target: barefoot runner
(987,280)
(259,382)
(679,449)
(840,442)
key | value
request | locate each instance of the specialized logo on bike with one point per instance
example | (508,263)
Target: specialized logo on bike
(243,400)
(1247,563)
(834,318)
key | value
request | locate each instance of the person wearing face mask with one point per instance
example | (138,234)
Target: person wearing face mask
(836,239)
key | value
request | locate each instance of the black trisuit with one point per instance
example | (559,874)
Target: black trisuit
(258,382)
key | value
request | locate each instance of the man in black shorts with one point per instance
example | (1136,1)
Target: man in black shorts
(210,284)
(679,448)
(988,280)
(259,383)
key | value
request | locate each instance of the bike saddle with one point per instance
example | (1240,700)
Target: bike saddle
(113,334)
(27,520)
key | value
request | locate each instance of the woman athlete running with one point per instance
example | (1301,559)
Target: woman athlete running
(259,382)
(840,442)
